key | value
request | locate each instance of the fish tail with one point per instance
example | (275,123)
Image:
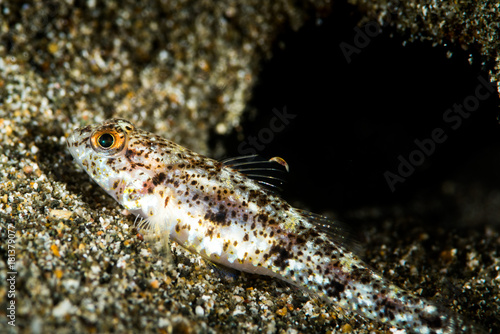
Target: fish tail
(364,291)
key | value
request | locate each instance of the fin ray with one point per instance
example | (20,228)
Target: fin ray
(338,231)
(268,173)
(222,271)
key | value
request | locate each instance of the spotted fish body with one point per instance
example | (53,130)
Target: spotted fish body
(230,219)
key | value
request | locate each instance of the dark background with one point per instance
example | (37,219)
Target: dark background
(355,119)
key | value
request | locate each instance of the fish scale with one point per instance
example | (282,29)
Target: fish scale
(213,210)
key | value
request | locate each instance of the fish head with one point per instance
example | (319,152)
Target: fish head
(121,159)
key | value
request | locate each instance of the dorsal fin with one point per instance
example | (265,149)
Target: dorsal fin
(340,232)
(268,173)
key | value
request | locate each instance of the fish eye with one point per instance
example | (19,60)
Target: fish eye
(106,140)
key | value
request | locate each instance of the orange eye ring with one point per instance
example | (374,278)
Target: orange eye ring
(108,141)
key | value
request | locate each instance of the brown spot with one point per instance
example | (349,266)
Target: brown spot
(300,240)
(282,256)
(262,201)
(218,217)
(318,241)
(245,238)
(166,200)
(262,218)
(159,178)
(210,232)
(129,155)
